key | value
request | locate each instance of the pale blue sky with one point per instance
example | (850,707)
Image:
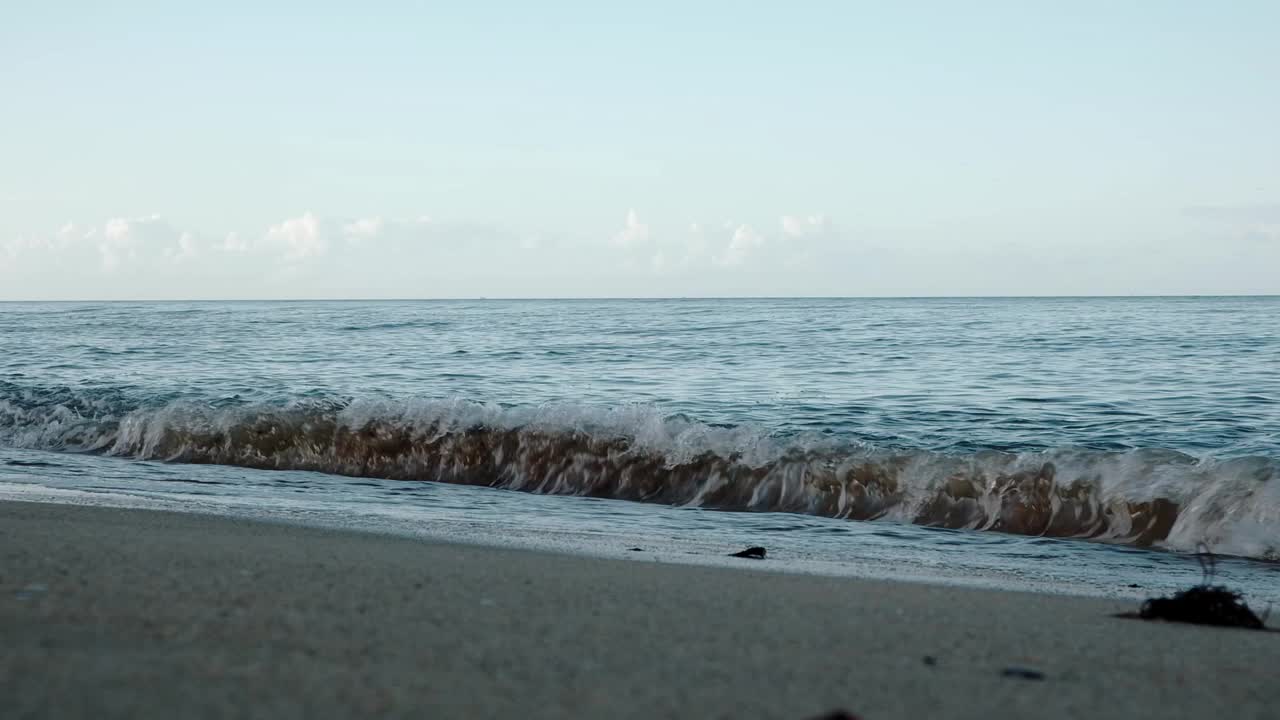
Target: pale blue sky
(570,149)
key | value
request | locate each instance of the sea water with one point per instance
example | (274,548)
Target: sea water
(1070,444)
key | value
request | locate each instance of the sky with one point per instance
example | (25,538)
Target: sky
(587,149)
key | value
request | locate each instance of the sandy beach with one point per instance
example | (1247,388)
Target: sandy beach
(124,613)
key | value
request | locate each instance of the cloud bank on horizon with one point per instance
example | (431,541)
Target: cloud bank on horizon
(313,256)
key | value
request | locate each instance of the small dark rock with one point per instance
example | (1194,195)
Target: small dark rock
(755,553)
(930,660)
(838,715)
(1022,673)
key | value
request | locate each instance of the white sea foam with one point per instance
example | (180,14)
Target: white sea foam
(635,452)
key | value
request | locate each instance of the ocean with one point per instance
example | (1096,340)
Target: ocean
(1079,445)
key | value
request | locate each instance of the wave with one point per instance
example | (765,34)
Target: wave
(1139,497)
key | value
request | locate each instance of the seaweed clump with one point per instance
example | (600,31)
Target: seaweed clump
(1204,604)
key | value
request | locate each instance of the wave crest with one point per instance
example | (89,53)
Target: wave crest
(1143,497)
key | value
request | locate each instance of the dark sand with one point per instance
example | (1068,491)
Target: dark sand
(122,613)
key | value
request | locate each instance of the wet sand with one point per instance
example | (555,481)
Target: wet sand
(127,613)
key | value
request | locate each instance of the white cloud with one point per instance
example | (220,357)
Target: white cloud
(313,254)
(799,227)
(68,233)
(235,243)
(659,262)
(117,240)
(123,241)
(19,246)
(187,248)
(32,244)
(634,234)
(377,228)
(301,237)
(114,245)
(744,242)
(722,246)
(363,229)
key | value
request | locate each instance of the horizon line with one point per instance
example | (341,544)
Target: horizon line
(652,298)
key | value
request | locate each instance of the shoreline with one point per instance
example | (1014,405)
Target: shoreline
(109,612)
(1133,583)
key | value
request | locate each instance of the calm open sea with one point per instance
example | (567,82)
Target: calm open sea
(973,440)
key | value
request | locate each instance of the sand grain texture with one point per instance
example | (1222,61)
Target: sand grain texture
(108,613)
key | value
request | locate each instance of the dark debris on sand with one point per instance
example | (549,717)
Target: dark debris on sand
(1203,604)
(1022,673)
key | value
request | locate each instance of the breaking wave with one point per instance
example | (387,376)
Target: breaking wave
(1138,497)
